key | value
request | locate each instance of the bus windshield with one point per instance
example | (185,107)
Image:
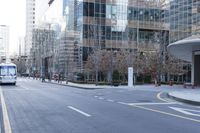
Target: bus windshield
(7,70)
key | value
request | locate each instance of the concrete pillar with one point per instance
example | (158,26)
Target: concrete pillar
(197,68)
(192,69)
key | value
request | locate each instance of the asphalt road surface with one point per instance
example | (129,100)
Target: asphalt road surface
(36,107)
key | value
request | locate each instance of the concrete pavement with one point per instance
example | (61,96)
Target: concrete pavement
(187,96)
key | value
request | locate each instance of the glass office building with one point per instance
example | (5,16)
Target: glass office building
(120,24)
(185,27)
(184,19)
(85,25)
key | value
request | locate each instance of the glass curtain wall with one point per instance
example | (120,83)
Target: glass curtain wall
(121,24)
(184,19)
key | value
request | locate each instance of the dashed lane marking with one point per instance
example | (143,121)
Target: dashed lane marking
(79,111)
(110,100)
(101,98)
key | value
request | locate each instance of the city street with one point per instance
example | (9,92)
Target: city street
(36,107)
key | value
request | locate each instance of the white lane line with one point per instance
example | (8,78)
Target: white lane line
(79,111)
(137,104)
(131,104)
(96,96)
(187,111)
(110,100)
(101,98)
(161,112)
(166,113)
(6,122)
(122,103)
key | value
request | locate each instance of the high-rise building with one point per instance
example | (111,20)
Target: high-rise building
(4,41)
(184,19)
(121,24)
(21,42)
(81,26)
(30,23)
(53,33)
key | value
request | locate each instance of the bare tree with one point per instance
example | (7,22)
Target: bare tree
(174,66)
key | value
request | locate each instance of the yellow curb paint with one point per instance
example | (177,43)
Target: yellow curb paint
(6,122)
(159,97)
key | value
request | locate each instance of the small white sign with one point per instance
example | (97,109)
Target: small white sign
(130,77)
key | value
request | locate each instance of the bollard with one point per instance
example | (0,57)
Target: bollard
(170,83)
(184,85)
(193,86)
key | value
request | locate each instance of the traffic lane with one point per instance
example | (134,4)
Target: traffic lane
(85,103)
(108,118)
(171,107)
(129,96)
(106,110)
(102,126)
(122,95)
(138,93)
(115,94)
(31,111)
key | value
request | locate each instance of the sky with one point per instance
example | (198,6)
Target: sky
(13,14)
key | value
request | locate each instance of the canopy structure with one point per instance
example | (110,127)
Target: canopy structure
(189,50)
(184,49)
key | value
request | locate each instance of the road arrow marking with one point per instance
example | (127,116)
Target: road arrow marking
(187,111)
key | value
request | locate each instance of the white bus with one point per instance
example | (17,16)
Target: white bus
(8,73)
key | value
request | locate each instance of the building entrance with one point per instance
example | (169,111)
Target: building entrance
(197,70)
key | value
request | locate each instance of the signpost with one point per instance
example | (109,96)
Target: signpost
(130,77)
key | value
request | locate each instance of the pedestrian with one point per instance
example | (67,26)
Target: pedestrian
(59,77)
(43,78)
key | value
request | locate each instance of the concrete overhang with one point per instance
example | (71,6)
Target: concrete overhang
(183,49)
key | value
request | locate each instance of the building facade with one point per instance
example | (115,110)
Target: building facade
(184,19)
(4,41)
(30,23)
(81,26)
(54,49)
(184,34)
(123,24)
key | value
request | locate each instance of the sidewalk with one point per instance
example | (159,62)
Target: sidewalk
(190,96)
(82,86)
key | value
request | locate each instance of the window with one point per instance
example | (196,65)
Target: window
(85,9)
(91,9)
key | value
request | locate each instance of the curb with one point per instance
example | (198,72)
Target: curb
(86,88)
(196,103)
(74,86)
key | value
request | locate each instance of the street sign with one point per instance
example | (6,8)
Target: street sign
(130,77)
